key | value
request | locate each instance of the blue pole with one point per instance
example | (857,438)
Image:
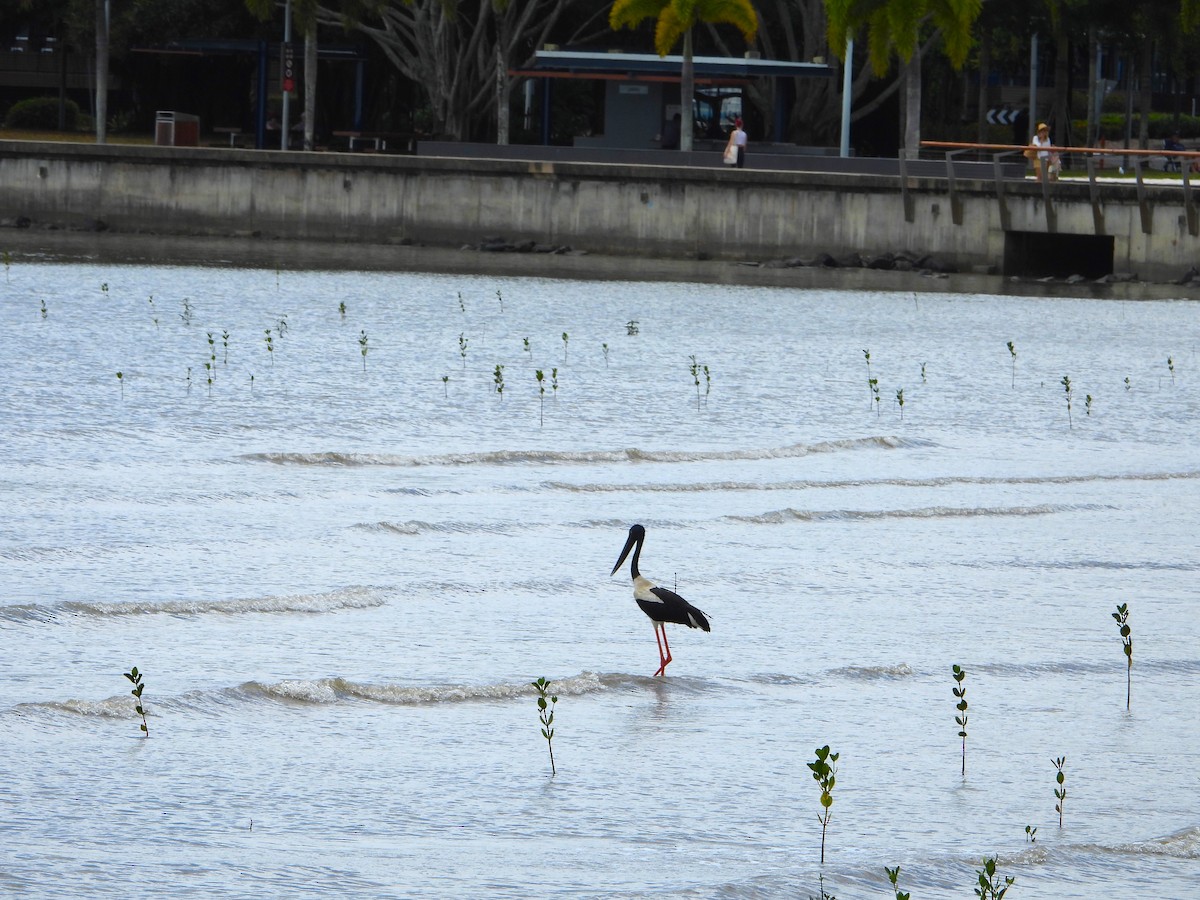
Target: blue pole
(359,67)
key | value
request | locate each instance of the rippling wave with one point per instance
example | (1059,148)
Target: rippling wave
(514,457)
(330,601)
(1168,666)
(779,516)
(322,691)
(1183,844)
(873,673)
(334,690)
(808,484)
(419,527)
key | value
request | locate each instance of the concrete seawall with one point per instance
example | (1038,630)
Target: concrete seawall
(642,210)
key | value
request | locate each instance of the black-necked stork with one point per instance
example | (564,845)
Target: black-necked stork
(658,603)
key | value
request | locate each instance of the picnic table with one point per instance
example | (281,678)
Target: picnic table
(377,140)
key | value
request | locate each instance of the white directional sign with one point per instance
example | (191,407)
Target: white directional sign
(1003,115)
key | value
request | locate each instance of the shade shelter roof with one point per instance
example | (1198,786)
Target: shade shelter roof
(651,66)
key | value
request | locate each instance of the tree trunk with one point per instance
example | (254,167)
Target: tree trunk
(912,105)
(503,85)
(687,91)
(310,85)
(101,71)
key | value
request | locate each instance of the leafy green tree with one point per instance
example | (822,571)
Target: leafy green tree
(893,29)
(675,20)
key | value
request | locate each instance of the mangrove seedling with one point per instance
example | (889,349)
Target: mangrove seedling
(136,678)
(1031,834)
(44,310)
(1087,404)
(545,702)
(874,382)
(153,317)
(694,368)
(565,339)
(1060,792)
(252,382)
(1127,384)
(104,287)
(894,876)
(604,350)
(900,401)
(270,341)
(824,773)
(500,297)
(225,346)
(342,309)
(283,325)
(462,307)
(960,692)
(528,349)
(186,315)
(707,384)
(923,379)
(1171,368)
(1122,617)
(212,347)
(631,327)
(541,380)
(189,380)
(990,885)
(1012,351)
(446,385)
(825,895)
(1066,383)
(462,347)
(554,382)
(498,380)
(362,347)
(208,372)
(121,381)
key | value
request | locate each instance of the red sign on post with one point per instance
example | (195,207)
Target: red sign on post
(288,69)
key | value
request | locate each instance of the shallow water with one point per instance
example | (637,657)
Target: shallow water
(338,576)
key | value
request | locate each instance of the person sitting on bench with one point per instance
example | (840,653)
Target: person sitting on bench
(1172,145)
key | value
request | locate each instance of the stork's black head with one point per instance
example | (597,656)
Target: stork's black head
(637,534)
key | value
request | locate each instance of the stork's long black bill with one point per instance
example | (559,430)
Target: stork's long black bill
(636,534)
(624,553)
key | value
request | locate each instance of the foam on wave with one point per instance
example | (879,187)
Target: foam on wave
(325,691)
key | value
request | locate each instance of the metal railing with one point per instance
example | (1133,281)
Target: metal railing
(1135,159)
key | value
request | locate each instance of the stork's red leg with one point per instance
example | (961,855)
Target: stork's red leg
(663,670)
(662,660)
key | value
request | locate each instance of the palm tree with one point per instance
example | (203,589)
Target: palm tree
(893,29)
(676,19)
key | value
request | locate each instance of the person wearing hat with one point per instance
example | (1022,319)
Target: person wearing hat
(1045,161)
